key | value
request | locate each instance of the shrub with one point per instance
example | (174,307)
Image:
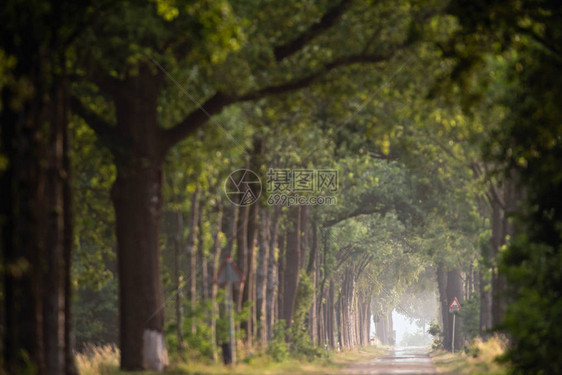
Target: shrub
(278,348)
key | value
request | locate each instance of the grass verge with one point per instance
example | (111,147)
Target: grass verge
(105,361)
(477,358)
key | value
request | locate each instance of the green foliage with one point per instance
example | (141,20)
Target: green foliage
(437,333)
(278,348)
(468,317)
(434,329)
(301,344)
(96,315)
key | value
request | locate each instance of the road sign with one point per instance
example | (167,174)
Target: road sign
(229,273)
(455,305)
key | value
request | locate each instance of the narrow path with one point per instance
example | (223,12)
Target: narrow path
(402,360)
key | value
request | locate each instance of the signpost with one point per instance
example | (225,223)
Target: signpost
(229,274)
(453,307)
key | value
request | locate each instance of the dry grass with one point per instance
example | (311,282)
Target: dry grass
(98,360)
(480,358)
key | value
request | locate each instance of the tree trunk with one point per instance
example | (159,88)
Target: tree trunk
(291,268)
(485,301)
(36,225)
(241,254)
(280,276)
(137,199)
(69,339)
(177,279)
(272,277)
(303,232)
(192,257)
(444,305)
(249,292)
(214,268)
(261,280)
(203,260)
(312,271)
(330,315)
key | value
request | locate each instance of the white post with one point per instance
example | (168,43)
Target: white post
(231,323)
(453,338)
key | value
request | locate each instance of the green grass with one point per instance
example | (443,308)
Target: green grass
(480,360)
(105,361)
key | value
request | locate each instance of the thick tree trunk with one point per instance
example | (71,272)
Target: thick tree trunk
(137,199)
(69,338)
(36,225)
(54,301)
(503,203)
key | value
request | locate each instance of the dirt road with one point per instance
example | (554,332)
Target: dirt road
(407,360)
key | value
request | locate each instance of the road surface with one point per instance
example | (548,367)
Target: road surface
(402,360)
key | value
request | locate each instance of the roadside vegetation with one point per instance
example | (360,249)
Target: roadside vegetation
(478,357)
(104,360)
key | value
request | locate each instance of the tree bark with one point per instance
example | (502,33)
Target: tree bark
(192,245)
(36,225)
(137,203)
(241,254)
(137,199)
(178,243)
(261,280)
(214,269)
(291,268)
(444,305)
(249,291)
(204,280)
(485,302)
(272,277)
(312,271)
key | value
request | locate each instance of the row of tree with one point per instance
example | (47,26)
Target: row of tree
(163,100)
